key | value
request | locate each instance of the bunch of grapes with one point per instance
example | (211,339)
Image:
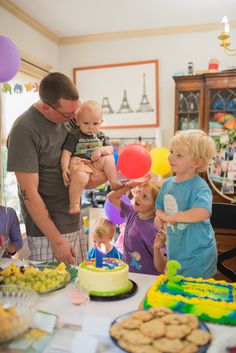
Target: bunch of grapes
(41,281)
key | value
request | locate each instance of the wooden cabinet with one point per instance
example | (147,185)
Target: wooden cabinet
(208,102)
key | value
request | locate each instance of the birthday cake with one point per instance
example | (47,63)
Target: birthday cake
(210,300)
(110,279)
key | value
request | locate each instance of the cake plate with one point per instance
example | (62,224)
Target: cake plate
(121,296)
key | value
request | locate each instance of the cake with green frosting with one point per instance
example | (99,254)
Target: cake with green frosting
(210,300)
(110,279)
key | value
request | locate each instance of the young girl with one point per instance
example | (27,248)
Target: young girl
(184,205)
(140,230)
(103,234)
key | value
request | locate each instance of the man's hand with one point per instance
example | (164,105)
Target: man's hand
(64,252)
(66,175)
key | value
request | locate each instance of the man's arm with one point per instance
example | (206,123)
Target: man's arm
(28,183)
(65,164)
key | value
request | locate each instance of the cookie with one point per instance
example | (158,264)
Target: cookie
(192,320)
(137,337)
(143,315)
(154,328)
(189,347)
(117,331)
(199,337)
(144,349)
(160,311)
(125,345)
(174,319)
(130,323)
(169,345)
(177,331)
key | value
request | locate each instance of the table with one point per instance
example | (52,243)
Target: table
(59,303)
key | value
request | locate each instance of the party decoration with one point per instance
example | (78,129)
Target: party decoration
(113,213)
(160,164)
(9,59)
(134,161)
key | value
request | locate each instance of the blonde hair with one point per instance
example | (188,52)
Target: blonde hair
(197,144)
(91,106)
(104,227)
(153,187)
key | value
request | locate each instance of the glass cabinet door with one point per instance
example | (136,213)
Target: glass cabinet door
(188,110)
(222,113)
(222,127)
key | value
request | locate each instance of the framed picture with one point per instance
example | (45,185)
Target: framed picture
(127,92)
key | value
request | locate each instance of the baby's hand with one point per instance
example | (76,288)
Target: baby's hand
(66,177)
(160,239)
(96,155)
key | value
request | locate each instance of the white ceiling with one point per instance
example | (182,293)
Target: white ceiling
(82,17)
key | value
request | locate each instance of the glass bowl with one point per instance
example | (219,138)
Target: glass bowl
(4,240)
(17,309)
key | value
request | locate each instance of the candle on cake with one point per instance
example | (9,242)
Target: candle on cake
(99,254)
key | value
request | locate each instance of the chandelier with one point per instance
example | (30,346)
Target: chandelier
(224,36)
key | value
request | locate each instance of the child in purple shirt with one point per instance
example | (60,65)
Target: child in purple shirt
(140,230)
(9,226)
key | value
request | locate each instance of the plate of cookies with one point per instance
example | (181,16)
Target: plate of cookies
(160,330)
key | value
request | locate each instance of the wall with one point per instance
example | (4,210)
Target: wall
(28,40)
(173,53)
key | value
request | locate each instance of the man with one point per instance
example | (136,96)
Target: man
(34,150)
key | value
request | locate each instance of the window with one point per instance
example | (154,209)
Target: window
(16,96)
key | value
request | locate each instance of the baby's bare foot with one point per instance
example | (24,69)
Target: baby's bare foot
(74,209)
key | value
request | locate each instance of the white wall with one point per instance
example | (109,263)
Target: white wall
(28,40)
(173,53)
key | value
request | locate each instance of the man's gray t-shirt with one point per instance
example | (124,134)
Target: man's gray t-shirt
(35,146)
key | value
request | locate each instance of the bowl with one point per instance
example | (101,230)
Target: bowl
(4,240)
(17,309)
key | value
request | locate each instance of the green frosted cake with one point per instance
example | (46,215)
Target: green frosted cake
(110,279)
(210,300)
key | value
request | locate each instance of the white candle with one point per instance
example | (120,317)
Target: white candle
(226,24)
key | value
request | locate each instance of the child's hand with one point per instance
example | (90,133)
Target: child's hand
(137,182)
(160,240)
(159,219)
(11,249)
(96,155)
(66,177)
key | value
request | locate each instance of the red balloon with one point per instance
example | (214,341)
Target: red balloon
(134,161)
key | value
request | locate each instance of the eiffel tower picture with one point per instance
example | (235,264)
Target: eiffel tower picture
(144,106)
(125,107)
(106,107)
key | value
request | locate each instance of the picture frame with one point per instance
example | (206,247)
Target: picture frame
(127,92)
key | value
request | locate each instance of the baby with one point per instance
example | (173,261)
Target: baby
(103,234)
(87,159)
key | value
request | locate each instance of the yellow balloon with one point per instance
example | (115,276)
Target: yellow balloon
(160,164)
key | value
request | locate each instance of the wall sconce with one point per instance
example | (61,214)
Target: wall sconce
(224,36)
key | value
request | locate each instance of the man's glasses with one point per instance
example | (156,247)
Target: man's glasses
(67,116)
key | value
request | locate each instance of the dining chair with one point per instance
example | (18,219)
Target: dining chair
(223,220)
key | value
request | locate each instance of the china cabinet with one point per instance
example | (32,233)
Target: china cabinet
(208,102)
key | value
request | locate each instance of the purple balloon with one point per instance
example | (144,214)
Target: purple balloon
(9,59)
(113,213)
